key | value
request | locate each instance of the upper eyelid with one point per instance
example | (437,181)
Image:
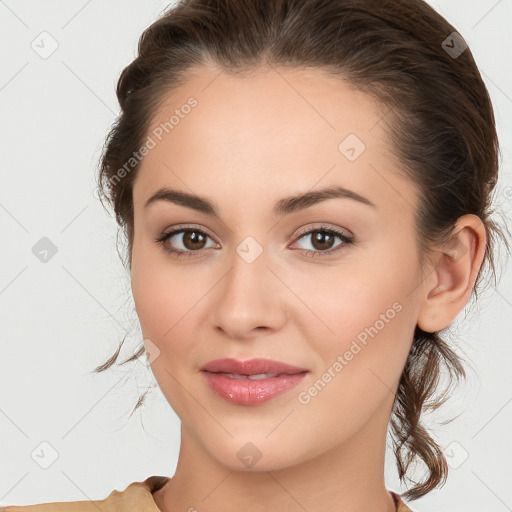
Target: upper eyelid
(187,227)
(324,227)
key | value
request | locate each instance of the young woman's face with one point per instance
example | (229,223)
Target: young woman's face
(259,275)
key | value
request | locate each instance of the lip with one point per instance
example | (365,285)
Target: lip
(245,391)
(251,366)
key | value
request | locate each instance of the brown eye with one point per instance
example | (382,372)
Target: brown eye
(183,242)
(323,241)
(194,240)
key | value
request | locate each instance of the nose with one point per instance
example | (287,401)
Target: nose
(249,299)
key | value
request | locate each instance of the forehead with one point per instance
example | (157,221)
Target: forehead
(275,105)
(273,129)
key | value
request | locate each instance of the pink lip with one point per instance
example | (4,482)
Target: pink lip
(250,366)
(246,391)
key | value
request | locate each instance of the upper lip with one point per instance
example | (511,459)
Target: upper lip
(251,366)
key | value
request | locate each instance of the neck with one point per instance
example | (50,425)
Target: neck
(347,477)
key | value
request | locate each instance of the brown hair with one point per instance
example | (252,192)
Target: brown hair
(440,124)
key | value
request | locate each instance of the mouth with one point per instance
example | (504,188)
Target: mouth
(256,376)
(251,367)
(251,382)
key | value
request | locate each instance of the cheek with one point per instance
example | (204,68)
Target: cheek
(363,309)
(361,361)
(168,300)
(162,302)
(161,295)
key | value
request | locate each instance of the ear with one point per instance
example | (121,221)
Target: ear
(455,268)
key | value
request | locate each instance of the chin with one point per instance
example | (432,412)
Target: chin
(258,455)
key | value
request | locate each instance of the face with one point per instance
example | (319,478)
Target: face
(327,283)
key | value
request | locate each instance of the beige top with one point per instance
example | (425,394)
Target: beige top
(137,497)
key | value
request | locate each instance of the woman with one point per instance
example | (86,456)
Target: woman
(305,189)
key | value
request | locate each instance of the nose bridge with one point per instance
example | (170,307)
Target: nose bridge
(247,282)
(248,267)
(248,296)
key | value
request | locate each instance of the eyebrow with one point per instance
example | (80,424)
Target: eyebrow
(284,206)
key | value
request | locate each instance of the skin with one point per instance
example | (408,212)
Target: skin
(248,143)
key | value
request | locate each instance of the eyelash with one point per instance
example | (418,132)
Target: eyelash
(164,237)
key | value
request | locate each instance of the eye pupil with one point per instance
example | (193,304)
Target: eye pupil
(321,237)
(195,239)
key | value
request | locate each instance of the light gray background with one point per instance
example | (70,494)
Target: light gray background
(62,318)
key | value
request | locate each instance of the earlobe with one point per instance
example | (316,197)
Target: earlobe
(451,280)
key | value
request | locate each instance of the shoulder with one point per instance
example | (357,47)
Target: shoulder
(136,493)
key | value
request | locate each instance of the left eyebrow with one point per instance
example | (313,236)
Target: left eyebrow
(299,202)
(284,206)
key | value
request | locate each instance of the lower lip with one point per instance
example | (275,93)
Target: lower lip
(250,392)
